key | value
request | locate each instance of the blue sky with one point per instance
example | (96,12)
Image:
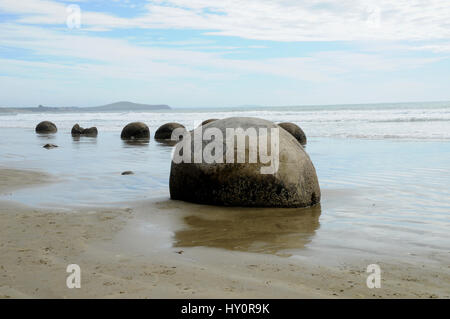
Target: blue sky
(207,53)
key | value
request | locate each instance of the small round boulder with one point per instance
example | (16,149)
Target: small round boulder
(134,131)
(295,131)
(281,174)
(46,127)
(50,146)
(164,132)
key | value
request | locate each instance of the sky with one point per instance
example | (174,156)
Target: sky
(219,53)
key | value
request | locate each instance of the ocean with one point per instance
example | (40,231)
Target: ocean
(424,121)
(384,172)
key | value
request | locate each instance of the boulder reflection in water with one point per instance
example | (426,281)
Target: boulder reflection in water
(263,230)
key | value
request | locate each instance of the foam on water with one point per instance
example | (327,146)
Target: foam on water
(386,121)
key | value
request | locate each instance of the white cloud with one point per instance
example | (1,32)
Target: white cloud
(282,20)
(436,48)
(76,57)
(100,56)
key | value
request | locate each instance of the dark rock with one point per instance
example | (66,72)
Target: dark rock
(207,122)
(46,127)
(78,130)
(295,131)
(128,173)
(164,132)
(49,146)
(92,132)
(135,130)
(294,184)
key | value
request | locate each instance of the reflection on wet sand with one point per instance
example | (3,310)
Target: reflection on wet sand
(166,142)
(46,136)
(86,139)
(262,230)
(136,142)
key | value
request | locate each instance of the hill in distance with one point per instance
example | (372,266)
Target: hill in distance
(128,106)
(113,107)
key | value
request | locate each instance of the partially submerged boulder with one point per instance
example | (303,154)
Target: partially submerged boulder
(78,130)
(135,130)
(285,178)
(164,132)
(208,121)
(295,131)
(46,127)
(92,132)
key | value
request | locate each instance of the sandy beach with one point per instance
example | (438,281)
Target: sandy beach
(121,258)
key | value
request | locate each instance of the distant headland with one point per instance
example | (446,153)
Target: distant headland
(113,107)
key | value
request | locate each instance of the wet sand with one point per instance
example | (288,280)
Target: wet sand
(167,249)
(12,179)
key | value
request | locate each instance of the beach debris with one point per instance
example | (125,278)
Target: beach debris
(164,132)
(78,130)
(128,173)
(295,131)
(46,127)
(135,130)
(281,176)
(50,146)
(180,252)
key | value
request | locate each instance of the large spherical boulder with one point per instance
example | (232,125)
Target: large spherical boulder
(46,127)
(135,130)
(164,132)
(295,130)
(291,183)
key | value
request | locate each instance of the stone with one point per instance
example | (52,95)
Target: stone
(46,127)
(91,132)
(293,184)
(49,146)
(78,130)
(135,130)
(164,132)
(295,131)
(208,121)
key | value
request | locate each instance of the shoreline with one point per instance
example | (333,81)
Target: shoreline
(12,179)
(142,252)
